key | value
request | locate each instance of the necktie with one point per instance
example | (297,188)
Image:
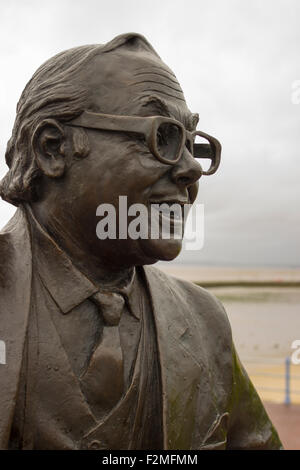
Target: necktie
(103,381)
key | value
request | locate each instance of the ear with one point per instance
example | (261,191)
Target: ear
(48,144)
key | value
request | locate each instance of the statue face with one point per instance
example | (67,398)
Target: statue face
(122,164)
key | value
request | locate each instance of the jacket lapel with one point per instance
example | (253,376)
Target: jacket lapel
(57,400)
(177,334)
(15,288)
(184,367)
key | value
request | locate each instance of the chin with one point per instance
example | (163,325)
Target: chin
(161,250)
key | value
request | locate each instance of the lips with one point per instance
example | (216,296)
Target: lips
(172,209)
(168,214)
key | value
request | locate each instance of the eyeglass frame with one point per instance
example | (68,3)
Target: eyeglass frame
(148,126)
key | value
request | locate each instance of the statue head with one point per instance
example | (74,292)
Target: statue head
(97,122)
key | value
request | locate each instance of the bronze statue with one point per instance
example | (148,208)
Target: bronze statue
(102,350)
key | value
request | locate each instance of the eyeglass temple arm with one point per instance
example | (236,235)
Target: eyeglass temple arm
(110,122)
(210,151)
(203,151)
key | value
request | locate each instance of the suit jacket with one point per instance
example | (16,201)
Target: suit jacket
(208,400)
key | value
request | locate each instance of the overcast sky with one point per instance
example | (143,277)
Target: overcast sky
(236,61)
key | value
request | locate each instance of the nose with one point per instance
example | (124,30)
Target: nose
(187,171)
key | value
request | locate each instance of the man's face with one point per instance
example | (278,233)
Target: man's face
(121,164)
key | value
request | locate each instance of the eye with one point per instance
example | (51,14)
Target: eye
(169,139)
(162,138)
(188,145)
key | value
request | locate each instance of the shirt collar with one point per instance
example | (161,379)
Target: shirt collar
(67,285)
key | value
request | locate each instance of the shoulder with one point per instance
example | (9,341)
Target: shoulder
(197,300)
(14,248)
(192,308)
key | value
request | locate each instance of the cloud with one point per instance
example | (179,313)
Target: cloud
(236,62)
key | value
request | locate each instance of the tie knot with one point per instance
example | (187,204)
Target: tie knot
(111,305)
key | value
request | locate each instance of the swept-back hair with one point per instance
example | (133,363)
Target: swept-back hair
(54,91)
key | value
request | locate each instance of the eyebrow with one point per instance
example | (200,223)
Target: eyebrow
(158,104)
(190,120)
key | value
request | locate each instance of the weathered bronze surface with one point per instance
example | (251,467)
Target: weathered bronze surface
(104,351)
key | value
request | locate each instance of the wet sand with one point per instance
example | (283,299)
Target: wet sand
(264,321)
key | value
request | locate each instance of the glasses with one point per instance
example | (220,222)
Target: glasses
(164,136)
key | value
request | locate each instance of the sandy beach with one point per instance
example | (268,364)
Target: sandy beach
(223,274)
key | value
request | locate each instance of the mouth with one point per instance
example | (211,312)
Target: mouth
(170,208)
(168,215)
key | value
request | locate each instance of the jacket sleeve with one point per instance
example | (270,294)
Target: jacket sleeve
(249,425)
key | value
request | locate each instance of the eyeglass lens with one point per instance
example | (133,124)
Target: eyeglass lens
(169,139)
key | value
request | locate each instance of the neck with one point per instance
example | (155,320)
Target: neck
(99,270)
